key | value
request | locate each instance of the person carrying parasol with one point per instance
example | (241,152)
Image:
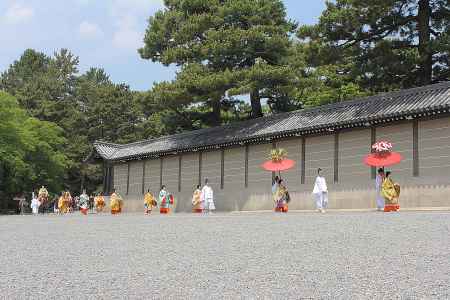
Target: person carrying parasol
(383,156)
(391,193)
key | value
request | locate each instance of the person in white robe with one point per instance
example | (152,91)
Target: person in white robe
(320,192)
(35,204)
(378,184)
(275,185)
(84,203)
(207,198)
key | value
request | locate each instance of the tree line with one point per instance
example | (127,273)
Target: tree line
(237,59)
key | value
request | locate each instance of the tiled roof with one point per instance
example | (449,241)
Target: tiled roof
(382,108)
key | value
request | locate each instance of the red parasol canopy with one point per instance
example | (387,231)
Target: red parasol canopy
(383,159)
(383,156)
(277,166)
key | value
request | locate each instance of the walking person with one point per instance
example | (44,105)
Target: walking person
(99,202)
(91,202)
(22,203)
(84,203)
(320,192)
(149,202)
(116,203)
(378,185)
(207,198)
(197,200)
(165,200)
(282,197)
(35,204)
(391,193)
(275,189)
(43,197)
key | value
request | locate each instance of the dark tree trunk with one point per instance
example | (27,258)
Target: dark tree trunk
(425,53)
(216,119)
(255,101)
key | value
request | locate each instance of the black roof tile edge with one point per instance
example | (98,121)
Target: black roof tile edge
(311,130)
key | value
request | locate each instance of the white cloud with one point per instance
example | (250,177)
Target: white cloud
(18,13)
(127,38)
(121,7)
(126,35)
(89,30)
(130,16)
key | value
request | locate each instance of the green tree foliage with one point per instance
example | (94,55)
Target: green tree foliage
(87,108)
(31,151)
(383,44)
(235,45)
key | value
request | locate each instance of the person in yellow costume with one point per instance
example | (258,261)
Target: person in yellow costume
(197,200)
(391,193)
(99,203)
(116,203)
(64,202)
(43,195)
(149,202)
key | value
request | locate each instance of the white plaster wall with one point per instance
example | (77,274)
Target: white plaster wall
(354,190)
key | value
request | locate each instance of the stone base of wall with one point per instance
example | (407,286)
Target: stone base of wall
(414,196)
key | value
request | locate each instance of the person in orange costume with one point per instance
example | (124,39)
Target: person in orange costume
(197,200)
(391,193)
(116,203)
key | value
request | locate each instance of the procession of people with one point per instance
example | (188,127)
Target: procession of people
(387,198)
(386,189)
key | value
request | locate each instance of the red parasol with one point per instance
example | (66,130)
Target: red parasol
(277,166)
(382,157)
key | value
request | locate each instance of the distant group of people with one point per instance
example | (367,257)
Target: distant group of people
(202,200)
(165,201)
(388,193)
(62,204)
(65,203)
(281,195)
(387,198)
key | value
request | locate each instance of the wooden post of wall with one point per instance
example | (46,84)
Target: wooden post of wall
(274,146)
(416,148)
(105,177)
(246,166)
(222,168)
(373,140)
(161,160)
(336,157)
(128,177)
(303,162)
(143,176)
(179,172)
(200,157)
(110,179)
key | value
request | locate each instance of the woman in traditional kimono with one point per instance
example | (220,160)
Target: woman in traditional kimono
(99,203)
(282,197)
(63,202)
(69,202)
(35,204)
(84,203)
(378,183)
(320,192)
(116,203)
(165,200)
(197,200)
(43,195)
(207,198)
(149,202)
(275,189)
(391,193)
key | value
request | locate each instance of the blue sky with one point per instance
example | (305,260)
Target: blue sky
(102,33)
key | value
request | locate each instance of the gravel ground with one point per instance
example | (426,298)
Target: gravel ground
(338,255)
